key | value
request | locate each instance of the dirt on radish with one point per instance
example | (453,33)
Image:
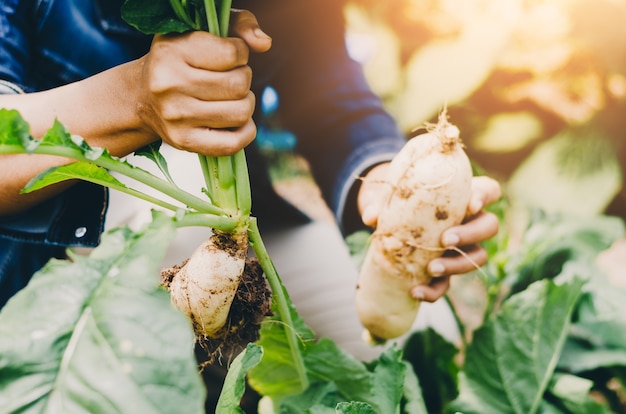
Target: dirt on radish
(250,306)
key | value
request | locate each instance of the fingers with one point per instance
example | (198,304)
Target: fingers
(443,268)
(220,54)
(433,291)
(216,142)
(370,195)
(480,227)
(201,84)
(485,190)
(245,26)
(467,254)
(198,102)
(455,263)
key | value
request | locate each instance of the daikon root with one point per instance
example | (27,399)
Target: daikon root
(427,191)
(204,287)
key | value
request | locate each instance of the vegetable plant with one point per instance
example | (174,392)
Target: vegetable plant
(109,339)
(98,333)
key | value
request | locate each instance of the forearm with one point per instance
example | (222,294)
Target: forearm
(101,109)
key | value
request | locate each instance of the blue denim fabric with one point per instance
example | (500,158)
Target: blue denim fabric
(340,125)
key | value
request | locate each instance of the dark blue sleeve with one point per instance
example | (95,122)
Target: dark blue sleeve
(76,216)
(16,30)
(30,239)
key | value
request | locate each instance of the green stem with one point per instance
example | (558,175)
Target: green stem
(134,193)
(208,220)
(227,184)
(457,319)
(225,17)
(160,185)
(181,13)
(208,176)
(242,183)
(214,180)
(284,311)
(211,17)
(127,170)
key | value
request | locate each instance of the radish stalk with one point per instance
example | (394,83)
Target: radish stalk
(428,192)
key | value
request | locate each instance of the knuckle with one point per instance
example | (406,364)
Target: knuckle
(171,113)
(160,82)
(179,141)
(243,111)
(240,81)
(233,50)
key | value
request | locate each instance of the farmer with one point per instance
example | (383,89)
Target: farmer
(77,61)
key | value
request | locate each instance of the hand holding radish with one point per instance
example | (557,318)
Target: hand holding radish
(423,205)
(478,226)
(194,88)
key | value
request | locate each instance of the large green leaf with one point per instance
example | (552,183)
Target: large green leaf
(235,383)
(433,359)
(511,359)
(550,241)
(98,334)
(76,170)
(335,376)
(598,335)
(153,16)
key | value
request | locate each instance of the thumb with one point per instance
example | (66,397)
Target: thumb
(245,26)
(369,216)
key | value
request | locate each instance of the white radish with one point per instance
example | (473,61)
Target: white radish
(427,190)
(205,286)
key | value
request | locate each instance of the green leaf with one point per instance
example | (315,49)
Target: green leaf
(152,153)
(276,374)
(320,397)
(59,136)
(335,375)
(355,408)
(413,395)
(573,393)
(598,335)
(78,170)
(153,17)
(433,359)
(235,383)
(358,243)
(98,334)
(387,382)
(326,361)
(551,240)
(512,357)
(15,131)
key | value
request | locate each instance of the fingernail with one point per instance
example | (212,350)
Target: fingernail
(450,239)
(475,206)
(436,268)
(369,215)
(417,293)
(260,33)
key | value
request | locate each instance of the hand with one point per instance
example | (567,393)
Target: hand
(478,226)
(195,88)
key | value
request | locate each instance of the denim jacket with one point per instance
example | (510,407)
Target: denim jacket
(340,125)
